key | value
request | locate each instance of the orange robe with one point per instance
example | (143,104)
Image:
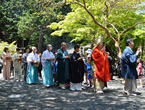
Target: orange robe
(101,65)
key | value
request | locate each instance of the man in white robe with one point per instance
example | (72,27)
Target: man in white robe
(46,59)
(32,71)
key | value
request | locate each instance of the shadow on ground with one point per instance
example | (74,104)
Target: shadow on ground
(36,97)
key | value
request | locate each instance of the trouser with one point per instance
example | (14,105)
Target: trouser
(98,85)
(130,85)
(25,72)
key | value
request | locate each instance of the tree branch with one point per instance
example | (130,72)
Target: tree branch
(96,22)
(131,27)
(84,3)
(114,27)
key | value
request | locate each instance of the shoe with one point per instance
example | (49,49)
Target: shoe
(63,88)
(100,91)
(133,94)
(47,86)
(140,87)
(17,80)
(92,86)
(80,89)
(126,93)
(72,89)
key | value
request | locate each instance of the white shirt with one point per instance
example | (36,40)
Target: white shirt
(46,55)
(32,57)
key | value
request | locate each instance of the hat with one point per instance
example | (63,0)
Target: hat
(99,40)
(89,51)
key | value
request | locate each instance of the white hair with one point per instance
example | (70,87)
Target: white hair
(49,45)
(33,48)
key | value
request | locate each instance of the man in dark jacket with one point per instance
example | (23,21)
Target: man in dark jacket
(77,67)
(63,66)
(128,67)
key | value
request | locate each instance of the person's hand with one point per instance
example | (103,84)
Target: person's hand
(138,51)
(80,58)
(53,59)
(49,59)
(66,57)
(104,48)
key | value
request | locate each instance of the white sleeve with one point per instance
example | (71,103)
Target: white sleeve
(38,58)
(53,56)
(43,59)
(29,58)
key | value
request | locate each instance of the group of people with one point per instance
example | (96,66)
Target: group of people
(70,69)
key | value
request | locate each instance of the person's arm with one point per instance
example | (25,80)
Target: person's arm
(24,58)
(74,59)
(59,56)
(43,59)
(132,58)
(29,58)
(38,58)
(14,57)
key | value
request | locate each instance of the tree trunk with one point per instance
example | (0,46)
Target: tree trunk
(40,43)
(117,45)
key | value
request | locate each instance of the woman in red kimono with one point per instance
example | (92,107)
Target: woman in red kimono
(101,74)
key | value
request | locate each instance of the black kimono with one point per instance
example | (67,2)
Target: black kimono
(77,68)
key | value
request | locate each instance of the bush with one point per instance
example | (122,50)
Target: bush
(12,47)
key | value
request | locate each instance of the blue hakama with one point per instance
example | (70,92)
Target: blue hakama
(47,74)
(32,74)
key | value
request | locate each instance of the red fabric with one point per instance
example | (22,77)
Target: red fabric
(101,65)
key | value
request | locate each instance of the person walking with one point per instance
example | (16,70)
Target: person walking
(24,62)
(128,68)
(63,66)
(139,71)
(46,59)
(77,67)
(32,71)
(17,62)
(6,58)
(101,74)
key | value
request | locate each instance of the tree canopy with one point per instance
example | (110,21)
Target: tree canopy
(116,20)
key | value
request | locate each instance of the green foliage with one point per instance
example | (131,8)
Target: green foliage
(34,22)
(28,19)
(121,14)
(11,47)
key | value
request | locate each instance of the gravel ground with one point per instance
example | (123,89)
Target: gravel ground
(20,96)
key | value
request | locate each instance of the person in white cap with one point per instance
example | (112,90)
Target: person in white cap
(46,59)
(32,71)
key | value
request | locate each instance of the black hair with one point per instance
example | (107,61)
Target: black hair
(76,47)
(141,61)
(27,48)
(17,49)
(128,41)
(5,49)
